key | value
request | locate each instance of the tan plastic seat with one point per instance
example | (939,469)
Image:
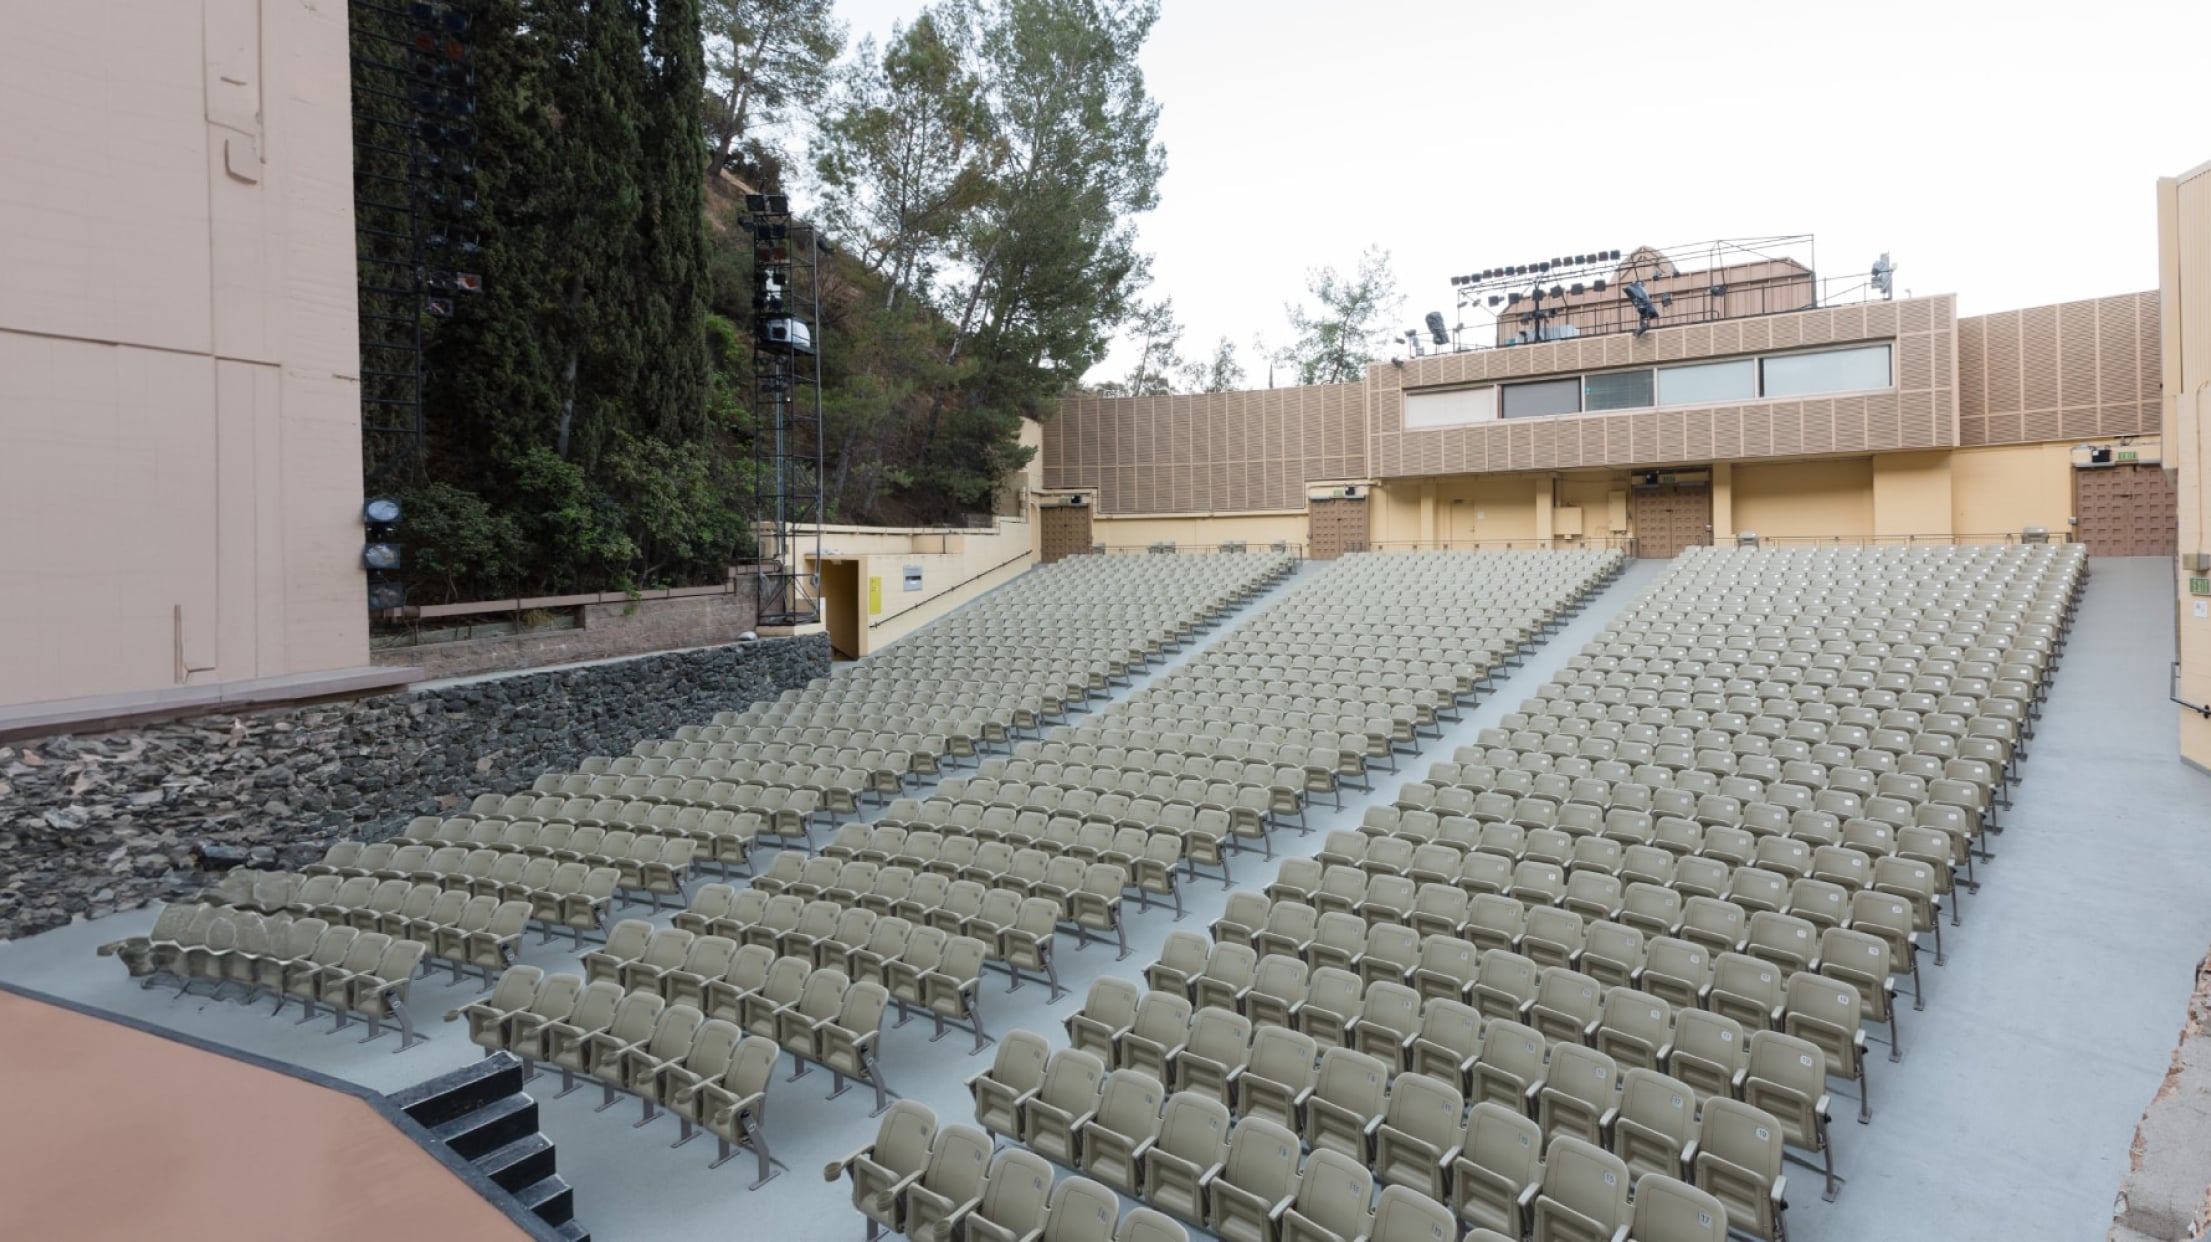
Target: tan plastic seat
(1422,1132)
(1052,1120)
(1787,1078)
(528,1031)
(1330,1202)
(1158,1030)
(1107,1010)
(1345,1109)
(951,1181)
(1568,1005)
(1825,1012)
(713,1048)
(1278,1078)
(1081,1210)
(488,1018)
(1127,1121)
(885,1169)
(1214,1054)
(1495,1178)
(639,1069)
(1404,1215)
(1512,1067)
(624,944)
(1669,1210)
(1584,1193)
(1145,1225)
(1739,1162)
(1581,1094)
(1182,958)
(594,1011)
(1016,1192)
(732,1108)
(1657,1123)
(1016,1073)
(635,1020)
(1193,1142)
(1255,1185)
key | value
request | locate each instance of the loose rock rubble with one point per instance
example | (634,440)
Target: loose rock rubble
(94,824)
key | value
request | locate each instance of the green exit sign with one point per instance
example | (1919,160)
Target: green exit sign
(2126,455)
(2199,586)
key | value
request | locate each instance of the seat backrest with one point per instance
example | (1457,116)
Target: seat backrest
(1352,1081)
(1016,1190)
(1427,1109)
(1590,1183)
(1081,1210)
(1019,1062)
(1667,1210)
(1504,1141)
(903,1137)
(1402,1214)
(1262,1159)
(1333,1192)
(1194,1127)
(1130,1102)
(1072,1081)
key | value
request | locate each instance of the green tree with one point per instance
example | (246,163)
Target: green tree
(1158,340)
(765,59)
(901,155)
(1334,344)
(1223,372)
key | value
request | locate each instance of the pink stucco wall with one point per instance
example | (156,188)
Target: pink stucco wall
(180,478)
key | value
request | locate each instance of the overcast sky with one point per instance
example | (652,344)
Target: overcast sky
(1999,151)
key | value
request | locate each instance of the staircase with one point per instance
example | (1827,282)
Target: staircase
(482,1113)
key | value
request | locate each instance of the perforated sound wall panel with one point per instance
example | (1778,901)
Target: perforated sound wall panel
(2050,372)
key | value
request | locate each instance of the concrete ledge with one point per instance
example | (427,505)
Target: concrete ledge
(107,711)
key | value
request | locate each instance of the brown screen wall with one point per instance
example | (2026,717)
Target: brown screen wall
(1230,452)
(1919,413)
(2074,371)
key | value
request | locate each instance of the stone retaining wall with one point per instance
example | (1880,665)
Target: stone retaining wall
(102,822)
(601,632)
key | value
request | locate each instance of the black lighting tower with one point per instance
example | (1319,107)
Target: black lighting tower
(786,401)
(414,198)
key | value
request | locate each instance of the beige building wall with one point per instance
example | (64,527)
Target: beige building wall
(865,603)
(1199,530)
(181,482)
(1804,499)
(2184,253)
(1228,453)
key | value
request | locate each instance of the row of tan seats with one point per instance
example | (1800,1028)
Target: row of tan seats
(1089,894)
(1017,931)
(1153,860)
(705,1070)
(351,972)
(932,1183)
(1248,1175)
(927,970)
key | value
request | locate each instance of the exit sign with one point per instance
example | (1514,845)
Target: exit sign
(2199,586)
(2126,455)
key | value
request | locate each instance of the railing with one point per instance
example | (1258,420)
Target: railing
(1177,548)
(404,627)
(1605,544)
(1904,541)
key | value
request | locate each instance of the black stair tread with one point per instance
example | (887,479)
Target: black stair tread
(520,1162)
(550,1198)
(471,1087)
(494,1125)
(572,1231)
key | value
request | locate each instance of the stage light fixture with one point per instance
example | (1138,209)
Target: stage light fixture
(385,596)
(1576,288)
(1719,291)
(1598,285)
(1884,276)
(1645,312)
(439,308)
(1495,300)
(1437,332)
(380,556)
(380,511)
(1512,299)
(1558,291)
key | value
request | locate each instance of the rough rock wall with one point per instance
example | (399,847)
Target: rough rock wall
(104,822)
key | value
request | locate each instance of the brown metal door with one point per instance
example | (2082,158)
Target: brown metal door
(1066,531)
(2126,511)
(1335,527)
(1667,519)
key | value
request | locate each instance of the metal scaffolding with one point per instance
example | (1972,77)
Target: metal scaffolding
(786,402)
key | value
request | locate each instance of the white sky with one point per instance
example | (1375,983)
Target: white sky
(2005,152)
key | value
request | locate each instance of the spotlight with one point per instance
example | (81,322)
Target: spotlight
(1437,332)
(1645,312)
(440,308)
(1511,299)
(1558,291)
(385,596)
(1576,288)
(1598,285)
(1495,300)
(380,511)
(380,556)
(1718,292)
(1884,275)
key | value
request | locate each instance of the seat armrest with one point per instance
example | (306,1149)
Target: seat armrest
(1819,1106)
(1689,1161)
(1526,1197)
(1779,1192)
(836,1168)
(1136,1153)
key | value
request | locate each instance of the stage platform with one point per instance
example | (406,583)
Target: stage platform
(112,1130)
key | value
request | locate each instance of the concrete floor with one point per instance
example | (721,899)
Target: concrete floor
(2009,1117)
